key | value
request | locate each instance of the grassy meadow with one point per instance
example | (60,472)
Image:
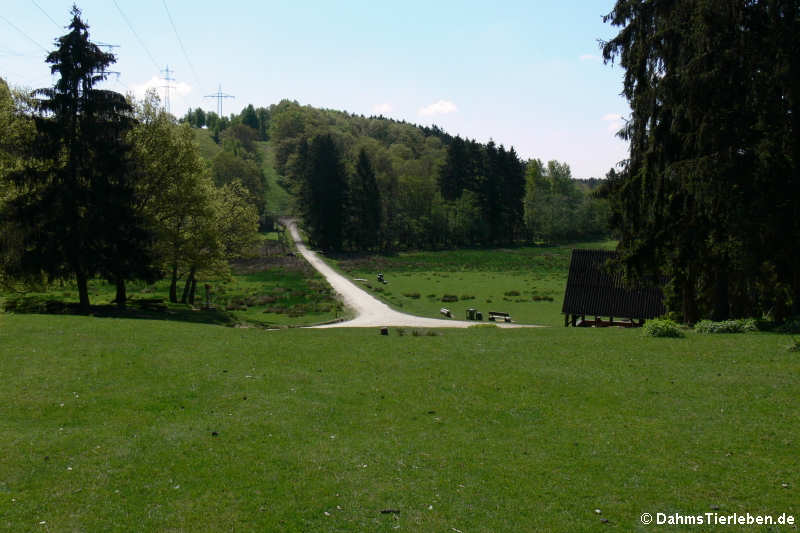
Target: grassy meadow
(158,420)
(527,282)
(120,425)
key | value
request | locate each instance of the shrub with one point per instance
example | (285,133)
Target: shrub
(414,295)
(790,326)
(449,298)
(726,326)
(512,293)
(662,328)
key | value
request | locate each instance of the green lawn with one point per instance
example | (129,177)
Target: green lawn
(135,425)
(527,282)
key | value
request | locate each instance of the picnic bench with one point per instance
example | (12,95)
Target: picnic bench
(494,316)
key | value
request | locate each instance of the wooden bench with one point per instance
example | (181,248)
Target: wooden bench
(495,315)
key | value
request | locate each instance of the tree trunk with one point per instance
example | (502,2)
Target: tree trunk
(121,294)
(721,310)
(173,285)
(689,303)
(192,290)
(83,292)
(188,285)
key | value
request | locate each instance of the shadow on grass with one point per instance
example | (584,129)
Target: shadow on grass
(150,309)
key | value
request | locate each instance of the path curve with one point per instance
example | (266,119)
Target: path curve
(368,310)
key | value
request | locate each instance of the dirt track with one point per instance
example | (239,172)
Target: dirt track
(369,312)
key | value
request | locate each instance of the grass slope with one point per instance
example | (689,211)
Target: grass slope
(121,425)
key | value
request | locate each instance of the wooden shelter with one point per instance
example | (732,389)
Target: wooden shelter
(595,290)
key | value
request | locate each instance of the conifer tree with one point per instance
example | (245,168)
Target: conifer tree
(75,205)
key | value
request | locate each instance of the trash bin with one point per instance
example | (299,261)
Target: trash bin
(471,313)
(478,316)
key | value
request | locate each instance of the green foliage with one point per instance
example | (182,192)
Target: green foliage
(200,227)
(791,325)
(726,326)
(795,345)
(72,206)
(558,209)
(713,148)
(364,226)
(323,191)
(227,167)
(662,328)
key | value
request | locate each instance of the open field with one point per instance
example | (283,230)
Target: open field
(116,425)
(527,282)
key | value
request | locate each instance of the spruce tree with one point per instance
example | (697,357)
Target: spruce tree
(76,205)
(713,89)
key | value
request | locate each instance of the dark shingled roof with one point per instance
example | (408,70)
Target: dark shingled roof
(592,290)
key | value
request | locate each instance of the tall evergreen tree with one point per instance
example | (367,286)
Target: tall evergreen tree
(77,209)
(706,161)
(365,204)
(324,193)
(454,174)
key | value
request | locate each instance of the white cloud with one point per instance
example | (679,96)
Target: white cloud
(178,89)
(442,107)
(382,109)
(139,89)
(590,57)
(614,121)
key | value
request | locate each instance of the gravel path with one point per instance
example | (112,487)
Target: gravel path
(369,311)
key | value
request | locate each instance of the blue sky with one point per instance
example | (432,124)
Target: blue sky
(526,74)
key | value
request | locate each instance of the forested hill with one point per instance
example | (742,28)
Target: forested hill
(376,183)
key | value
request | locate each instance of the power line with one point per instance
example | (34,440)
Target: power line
(46,14)
(219,95)
(141,42)
(185,55)
(25,34)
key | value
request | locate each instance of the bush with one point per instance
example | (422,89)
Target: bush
(512,293)
(790,326)
(726,326)
(662,328)
(414,295)
(795,345)
(449,298)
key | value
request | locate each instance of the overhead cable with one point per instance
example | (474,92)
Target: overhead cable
(185,55)
(128,22)
(25,34)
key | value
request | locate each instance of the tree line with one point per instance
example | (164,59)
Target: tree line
(94,184)
(396,185)
(710,197)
